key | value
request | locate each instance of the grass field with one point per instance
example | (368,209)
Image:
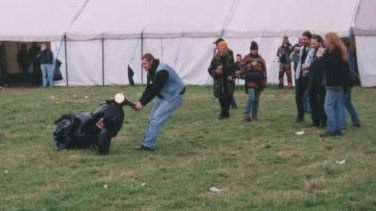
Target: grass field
(256,166)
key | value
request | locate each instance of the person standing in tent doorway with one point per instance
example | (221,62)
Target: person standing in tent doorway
(283,54)
(46,58)
(222,69)
(231,53)
(255,81)
(23,59)
(163,82)
(130,76)
(303,56)
(33,52)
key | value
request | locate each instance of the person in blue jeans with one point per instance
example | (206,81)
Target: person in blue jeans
(163,82)
(346,101)
(46,65)
(346,104)
(255,81)
(333,61)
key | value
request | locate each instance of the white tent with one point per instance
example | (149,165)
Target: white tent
(365,36)
(104,37)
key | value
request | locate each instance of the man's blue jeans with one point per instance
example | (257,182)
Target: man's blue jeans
(252,103)
(332,109)
(47,74)
(161,111)
(346,104)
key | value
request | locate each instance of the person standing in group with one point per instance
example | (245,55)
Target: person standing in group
(222,69)
(303,57)
(283,54)
(233,103)
(238,67)
(346,100)
(333,62)
(165,83)
(46,58)
(255,81)
(316,85)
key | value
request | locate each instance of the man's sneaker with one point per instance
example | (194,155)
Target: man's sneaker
(356,125)
(144,148)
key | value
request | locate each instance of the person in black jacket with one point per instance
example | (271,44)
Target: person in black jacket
(46,65)
(335,79)
(316,85)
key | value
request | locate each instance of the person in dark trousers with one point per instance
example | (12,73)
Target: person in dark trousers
(23,59)
(283,54)
(333,62)
(346,100)
(46,65)
(222,69)
(162,82)
(303,56)
(130,76)
(316,85)
(255,81)
(233,104)
(33,52)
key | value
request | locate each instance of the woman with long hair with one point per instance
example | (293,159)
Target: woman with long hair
(333,61)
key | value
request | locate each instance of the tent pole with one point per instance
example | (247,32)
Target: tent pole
(66,60)
(142,53)
(102,61)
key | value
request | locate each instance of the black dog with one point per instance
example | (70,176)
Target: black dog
(82,130)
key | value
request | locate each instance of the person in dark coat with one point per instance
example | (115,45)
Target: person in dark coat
(334,64)
(316,85)
(23,59)
(222,69)
(130,76)
(46,65)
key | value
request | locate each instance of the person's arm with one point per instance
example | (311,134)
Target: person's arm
(212,68)
(152,89)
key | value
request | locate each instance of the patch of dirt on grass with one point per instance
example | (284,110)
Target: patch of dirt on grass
(314,185)
(117,175)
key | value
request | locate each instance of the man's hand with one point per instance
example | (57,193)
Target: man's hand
(138,106)
(229,78)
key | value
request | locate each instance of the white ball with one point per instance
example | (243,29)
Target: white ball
(119,98)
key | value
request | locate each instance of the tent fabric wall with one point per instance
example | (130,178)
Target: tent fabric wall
(366,60)
(180,33)
(365,24)
(364,30)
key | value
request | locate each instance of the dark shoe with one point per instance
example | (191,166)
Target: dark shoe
(254,119)
(312,125)
(356,125)
(144,148)
(59,146)
(299,119)
(327,134)
(223,116)
(338,133)
(246,119)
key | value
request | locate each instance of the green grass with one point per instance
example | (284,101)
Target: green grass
(257,166)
